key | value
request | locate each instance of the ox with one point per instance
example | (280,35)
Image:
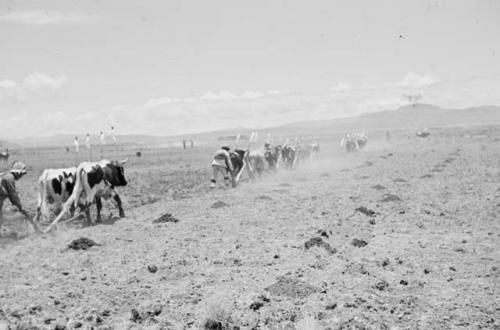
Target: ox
(55,187)
(304,153)
(289,154)
(239,160)
(315,147)
(257,161)
(94,180)
(272,156)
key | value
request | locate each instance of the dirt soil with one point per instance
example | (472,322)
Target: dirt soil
(431,258)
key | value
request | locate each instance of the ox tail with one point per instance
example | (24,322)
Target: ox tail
(41,206)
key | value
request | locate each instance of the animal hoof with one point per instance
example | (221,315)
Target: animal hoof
(122,214)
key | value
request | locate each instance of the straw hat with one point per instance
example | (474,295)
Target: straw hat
(18,168)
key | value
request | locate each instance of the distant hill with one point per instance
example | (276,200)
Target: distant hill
(417,116)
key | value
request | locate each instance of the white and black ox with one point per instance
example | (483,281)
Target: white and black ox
(55,187)
(94,180)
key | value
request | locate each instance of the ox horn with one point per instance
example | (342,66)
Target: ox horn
(124,161)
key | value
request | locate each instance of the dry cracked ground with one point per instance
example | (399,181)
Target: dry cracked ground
(399,236)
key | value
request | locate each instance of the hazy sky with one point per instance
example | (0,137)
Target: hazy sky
(169,67)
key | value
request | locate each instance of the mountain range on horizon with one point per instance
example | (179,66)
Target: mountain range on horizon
(414,116)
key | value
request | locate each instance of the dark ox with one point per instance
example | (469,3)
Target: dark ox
(273,157)
(289,154)
(95,180)
(239,160)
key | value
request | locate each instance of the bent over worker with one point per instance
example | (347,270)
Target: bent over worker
(8,190)
(222,163)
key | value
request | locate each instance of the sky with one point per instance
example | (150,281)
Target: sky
(178,67)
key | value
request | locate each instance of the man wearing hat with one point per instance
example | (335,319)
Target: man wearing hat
(8,190)
(222,163)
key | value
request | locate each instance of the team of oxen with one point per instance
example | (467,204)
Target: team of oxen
(354,141)
(270,158)
(69,190)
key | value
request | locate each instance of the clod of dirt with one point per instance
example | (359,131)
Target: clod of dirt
(359,242)
(256,305)
(365,211)
(323,233)
(135,316)
(378,187)
(403,282)
(399,180)
(152,268)
(82,243)
(331,307)
(219,204)
(318,241)
(167,217)
(368,163)
(390,198)
(381,285)
(426,271)
(386,262)
(371,222)
(290,287)
(263,198)
(426,176)
(213,325)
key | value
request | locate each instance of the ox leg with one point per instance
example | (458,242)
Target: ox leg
(87,214)
(213,180)
(98,204)
(226,179)
(119,203)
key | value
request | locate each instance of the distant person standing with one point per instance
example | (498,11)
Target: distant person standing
(8,190)
(388,135)
(222,163)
